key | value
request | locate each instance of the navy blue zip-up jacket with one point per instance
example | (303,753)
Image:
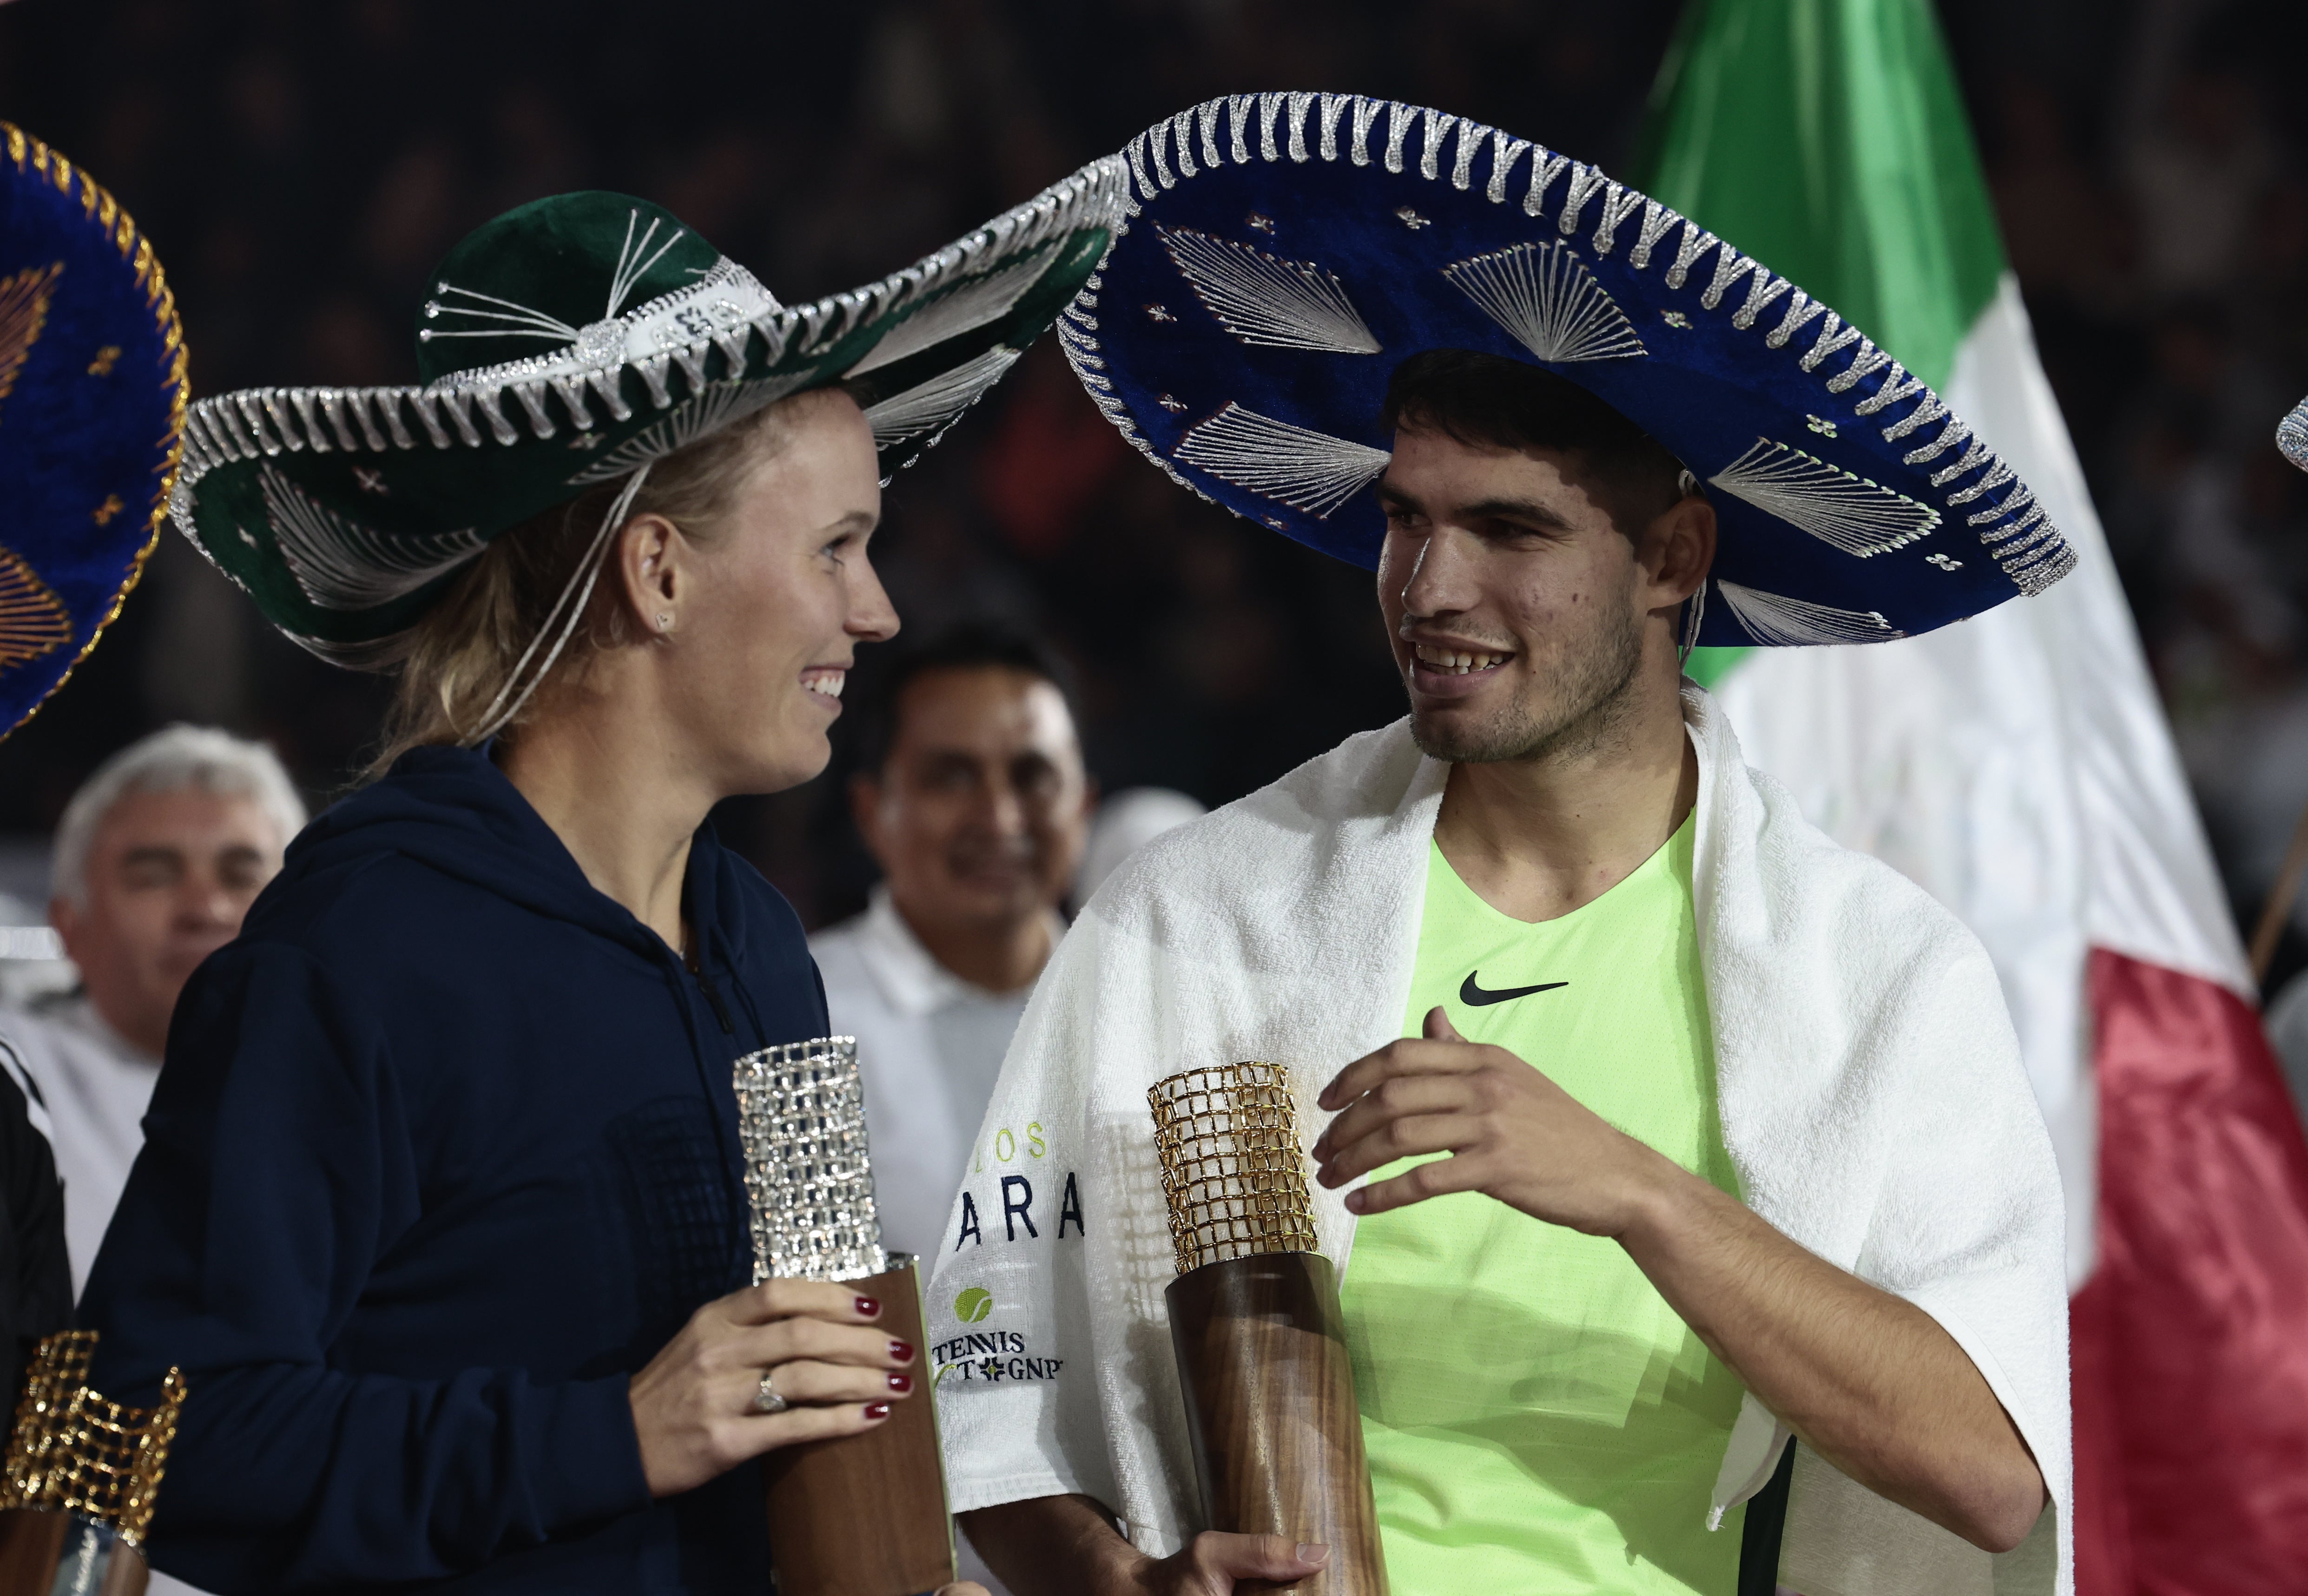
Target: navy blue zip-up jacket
(446,1150)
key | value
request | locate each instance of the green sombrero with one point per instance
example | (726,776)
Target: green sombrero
(573,341)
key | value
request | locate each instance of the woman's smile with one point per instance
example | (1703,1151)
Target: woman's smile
(824,683)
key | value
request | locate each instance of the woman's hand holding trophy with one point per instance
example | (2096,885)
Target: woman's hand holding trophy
(774,1365)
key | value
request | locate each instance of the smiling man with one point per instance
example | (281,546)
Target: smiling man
(1696,1227)
(973,800)
(1557,1301)
(972,797)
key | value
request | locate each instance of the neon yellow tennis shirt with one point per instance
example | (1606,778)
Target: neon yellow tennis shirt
(1538,1418)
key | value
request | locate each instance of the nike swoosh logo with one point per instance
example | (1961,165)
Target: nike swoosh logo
(1475,997)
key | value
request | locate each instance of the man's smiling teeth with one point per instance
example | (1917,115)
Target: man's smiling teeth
(1451,662)
(827,681)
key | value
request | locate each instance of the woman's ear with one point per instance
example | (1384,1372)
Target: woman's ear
(652,576)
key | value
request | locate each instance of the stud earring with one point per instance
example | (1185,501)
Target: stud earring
(664,621)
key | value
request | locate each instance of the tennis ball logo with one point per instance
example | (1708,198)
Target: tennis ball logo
(973,1305)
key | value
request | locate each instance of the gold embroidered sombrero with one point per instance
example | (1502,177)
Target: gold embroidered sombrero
(91,403)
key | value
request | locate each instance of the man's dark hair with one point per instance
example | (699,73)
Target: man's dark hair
(1489,401)
(968,645)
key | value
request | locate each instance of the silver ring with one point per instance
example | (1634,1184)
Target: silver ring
(766,1399)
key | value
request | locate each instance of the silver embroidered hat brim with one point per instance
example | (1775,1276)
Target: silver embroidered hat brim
(345,512)
(1284,253)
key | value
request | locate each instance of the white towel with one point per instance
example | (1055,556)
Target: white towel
(1872,1096)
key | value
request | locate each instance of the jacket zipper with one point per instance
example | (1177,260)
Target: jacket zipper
(733,1157)
(713,997)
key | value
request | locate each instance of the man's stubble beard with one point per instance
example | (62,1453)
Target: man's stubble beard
(1592,696)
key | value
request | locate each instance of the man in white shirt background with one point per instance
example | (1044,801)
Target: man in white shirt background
(971,796)
(157,858)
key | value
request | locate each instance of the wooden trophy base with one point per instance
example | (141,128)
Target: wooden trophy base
(1277,1434)
(63,1554)
(866,1515)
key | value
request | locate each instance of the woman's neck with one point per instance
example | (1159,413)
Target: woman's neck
(612,791)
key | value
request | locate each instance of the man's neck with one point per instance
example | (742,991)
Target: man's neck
(610,788)
(138,1034)
(1537,838)
(999,956)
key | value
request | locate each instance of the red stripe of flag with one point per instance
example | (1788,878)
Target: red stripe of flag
(2191,1370)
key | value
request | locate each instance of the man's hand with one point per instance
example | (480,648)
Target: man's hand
(1068,1546)
(1512,1133)
(1212,1563)
(1868,1380)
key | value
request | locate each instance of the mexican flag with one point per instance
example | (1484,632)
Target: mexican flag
(2018,767)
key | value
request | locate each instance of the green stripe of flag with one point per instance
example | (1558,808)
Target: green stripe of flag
(1827,139)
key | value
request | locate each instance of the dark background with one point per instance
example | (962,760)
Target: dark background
(300,166)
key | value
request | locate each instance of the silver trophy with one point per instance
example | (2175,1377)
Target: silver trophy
(866,1515)
(801,1111)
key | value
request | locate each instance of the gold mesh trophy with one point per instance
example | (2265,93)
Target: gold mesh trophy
(865,1515)
(81,1477)
(1254,1320)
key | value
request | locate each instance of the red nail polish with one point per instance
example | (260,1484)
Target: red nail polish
(868,1307)
(902,1352)
(902,1383)
(877,1409)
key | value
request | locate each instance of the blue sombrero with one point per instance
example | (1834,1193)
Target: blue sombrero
(1286,251)
(92,406)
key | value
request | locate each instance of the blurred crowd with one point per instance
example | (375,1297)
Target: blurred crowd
(302,166)
(2155,202)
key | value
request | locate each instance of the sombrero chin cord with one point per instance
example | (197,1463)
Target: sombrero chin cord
(579,587)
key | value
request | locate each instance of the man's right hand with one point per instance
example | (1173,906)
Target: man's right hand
(1212,1562)
(1066,1545)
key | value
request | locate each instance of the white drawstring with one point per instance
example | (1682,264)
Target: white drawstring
(588,571)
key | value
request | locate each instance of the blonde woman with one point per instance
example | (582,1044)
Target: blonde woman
(441,1207)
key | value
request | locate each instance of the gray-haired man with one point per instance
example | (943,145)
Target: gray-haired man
(157,858)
